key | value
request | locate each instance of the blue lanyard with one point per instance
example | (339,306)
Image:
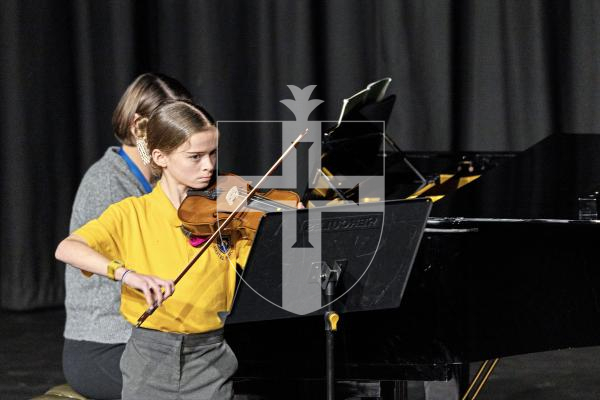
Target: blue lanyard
(136,171)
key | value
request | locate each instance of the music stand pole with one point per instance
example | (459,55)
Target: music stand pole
(330,277)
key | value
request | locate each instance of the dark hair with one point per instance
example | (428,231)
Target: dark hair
(142,96)
(171,124)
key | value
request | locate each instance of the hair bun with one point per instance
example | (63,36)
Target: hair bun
(141,127)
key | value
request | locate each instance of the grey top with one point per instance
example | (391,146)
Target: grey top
(92,303)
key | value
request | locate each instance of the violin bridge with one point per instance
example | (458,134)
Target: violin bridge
(232,194)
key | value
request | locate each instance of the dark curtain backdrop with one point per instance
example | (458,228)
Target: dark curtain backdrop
(469,75)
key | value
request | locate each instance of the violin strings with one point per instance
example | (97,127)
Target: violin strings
(268,202)
(259,199)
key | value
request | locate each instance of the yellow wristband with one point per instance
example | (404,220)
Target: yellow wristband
(112,267)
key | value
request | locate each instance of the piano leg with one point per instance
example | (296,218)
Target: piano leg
(394,390)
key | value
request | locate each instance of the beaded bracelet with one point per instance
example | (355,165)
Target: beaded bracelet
(112,267)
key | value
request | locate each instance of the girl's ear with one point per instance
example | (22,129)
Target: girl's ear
(159,158)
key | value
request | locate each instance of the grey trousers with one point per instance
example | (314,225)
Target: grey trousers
(171,366)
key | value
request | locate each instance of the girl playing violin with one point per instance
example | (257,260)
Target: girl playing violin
(180,352)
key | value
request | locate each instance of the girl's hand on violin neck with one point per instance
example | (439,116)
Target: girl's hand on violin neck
(155,290)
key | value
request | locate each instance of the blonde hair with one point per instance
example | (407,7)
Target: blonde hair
(142,96)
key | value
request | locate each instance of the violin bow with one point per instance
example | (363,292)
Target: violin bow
(231,216)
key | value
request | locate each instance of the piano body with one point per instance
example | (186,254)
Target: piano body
(505,267)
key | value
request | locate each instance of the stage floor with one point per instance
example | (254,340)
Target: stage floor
(31,345)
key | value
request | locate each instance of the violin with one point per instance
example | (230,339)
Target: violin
(202,212)
(237,202)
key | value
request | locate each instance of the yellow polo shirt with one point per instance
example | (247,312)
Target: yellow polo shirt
(144,233)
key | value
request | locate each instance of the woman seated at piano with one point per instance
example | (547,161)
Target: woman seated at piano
(95,332)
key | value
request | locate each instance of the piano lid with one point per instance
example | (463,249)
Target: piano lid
(352,148)
(543,182)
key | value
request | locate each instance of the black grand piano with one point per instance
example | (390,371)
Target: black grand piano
(506,266)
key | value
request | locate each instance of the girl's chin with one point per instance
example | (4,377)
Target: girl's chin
(200,183)
(199,186)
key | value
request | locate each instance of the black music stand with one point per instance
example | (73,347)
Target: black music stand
(367,249)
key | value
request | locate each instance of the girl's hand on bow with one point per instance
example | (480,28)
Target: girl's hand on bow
(155,290)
